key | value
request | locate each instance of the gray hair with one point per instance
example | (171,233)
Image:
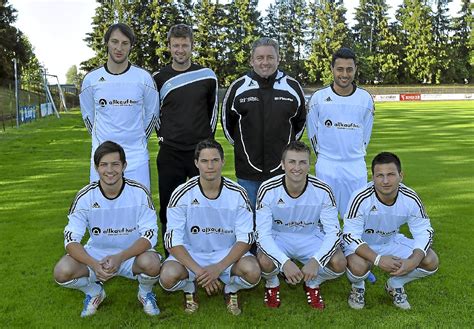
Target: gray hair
(265,41)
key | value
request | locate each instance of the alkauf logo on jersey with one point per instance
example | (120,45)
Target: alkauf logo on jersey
(341,125)
(117,102)
(113,231)
(210,230)
(382,233)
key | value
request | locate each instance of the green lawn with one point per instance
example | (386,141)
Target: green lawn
(44,164)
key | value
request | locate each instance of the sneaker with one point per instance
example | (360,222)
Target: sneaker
(91,303)
(314,297)
(399,297)
(272,297)
(232,302)
(190,303)
(356,298)
(149,303)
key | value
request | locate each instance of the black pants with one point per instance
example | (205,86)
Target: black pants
(174,167)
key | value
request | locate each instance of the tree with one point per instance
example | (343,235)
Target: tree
(462,49)
(416,38)
(443,68)
(375,43)
(242,26)
(30,72)
(329,33)
(11,42)
(73,76)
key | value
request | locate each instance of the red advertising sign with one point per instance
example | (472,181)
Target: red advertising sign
(410,97)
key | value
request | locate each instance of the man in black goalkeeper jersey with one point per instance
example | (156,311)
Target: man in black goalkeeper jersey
(188,96)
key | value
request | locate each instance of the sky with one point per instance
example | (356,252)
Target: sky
(57,28)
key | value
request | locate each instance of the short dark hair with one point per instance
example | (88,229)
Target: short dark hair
(345,53)
(265,41)
(208,144)
(180,31)
(385,158)
(124,28)
(108,147)
(296,146)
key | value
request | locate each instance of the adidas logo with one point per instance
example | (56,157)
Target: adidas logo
(195,202)
(251,83)
(328,99)
(374,208)
(101,79)
(96,205)
(281,201)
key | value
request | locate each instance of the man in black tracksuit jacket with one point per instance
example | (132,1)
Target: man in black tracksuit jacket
(261,113)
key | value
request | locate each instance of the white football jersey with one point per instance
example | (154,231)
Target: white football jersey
(207,225)
(370,221)
(123,108)
(113,224)
(313,213)
(339,127)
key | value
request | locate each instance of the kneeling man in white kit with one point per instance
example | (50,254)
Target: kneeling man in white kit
(121,220)
(297,221)
(371,233)
(209,234)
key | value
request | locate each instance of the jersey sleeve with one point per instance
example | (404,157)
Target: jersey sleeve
(77,221)
(213,104)
(147,222)
(369,122)
(175,228)
(265,240)
(312,122)
(332,230)
(151,104)
(244,223)
(299,120)
(87,104)
(420,226)
(229,117)
(353,226)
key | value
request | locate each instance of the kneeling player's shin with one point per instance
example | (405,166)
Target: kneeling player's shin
(271,278)
(357,281)
(146,283)
(417,273)
(237,283)
(324,274)
(84,284)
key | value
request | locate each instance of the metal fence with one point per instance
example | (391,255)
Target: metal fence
(28,101)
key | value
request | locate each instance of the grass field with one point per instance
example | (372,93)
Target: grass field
(43,164)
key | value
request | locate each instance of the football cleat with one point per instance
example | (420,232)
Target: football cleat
(314,298)
(233,304)
(356,298)
(399,297)
(190,303)
(272,297)
(149,304)
(91,303)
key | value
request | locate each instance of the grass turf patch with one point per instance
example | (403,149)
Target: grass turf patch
(45,163)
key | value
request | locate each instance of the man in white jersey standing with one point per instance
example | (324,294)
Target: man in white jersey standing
(339,121)
(297,220)
(210,230)
(119,102)
(121,220)
(371,233)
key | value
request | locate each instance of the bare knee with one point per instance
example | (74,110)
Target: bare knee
(430,262)
(357,265)
(338,262)
(147,263)
(265,262)
(248,269)
(171,273)
(68,268)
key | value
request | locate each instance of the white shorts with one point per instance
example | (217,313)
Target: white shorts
(205,259)
(140,174)
(344,177)
(125,268)
(400,246)
(297,246)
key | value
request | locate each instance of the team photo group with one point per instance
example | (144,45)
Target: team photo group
(276,222)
